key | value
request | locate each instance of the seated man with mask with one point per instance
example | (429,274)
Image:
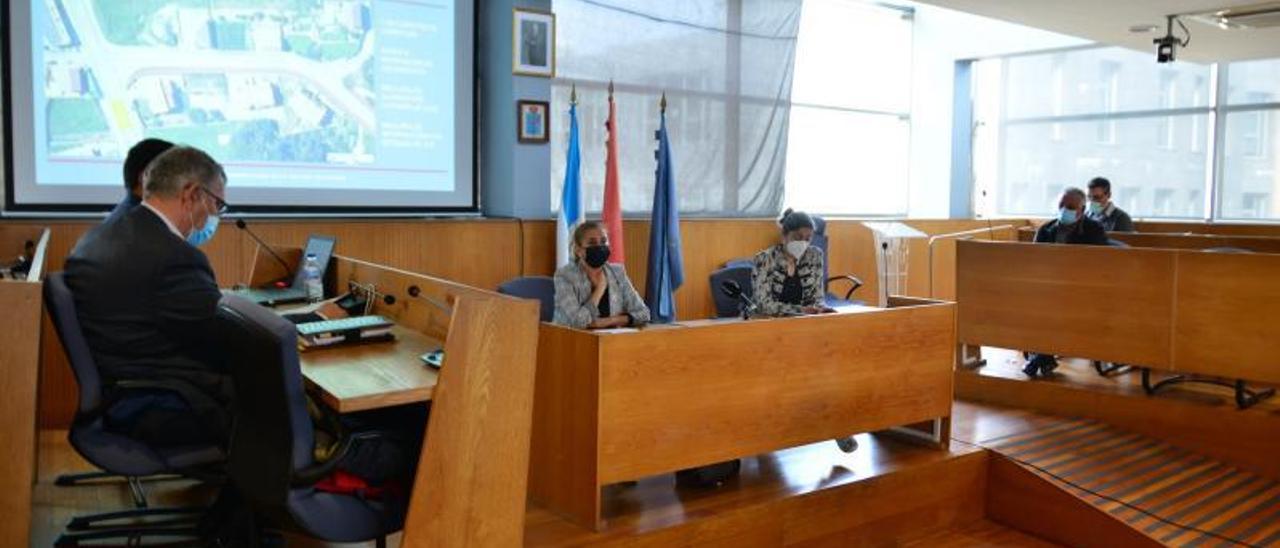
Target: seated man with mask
(1104,210)
(146,299)
(1071,227)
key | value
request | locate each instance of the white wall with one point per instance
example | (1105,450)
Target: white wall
(941,37)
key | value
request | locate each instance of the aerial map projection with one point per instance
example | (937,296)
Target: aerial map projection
(342,94)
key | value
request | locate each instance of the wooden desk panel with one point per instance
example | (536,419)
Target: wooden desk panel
(941,254)
(1059,299)
(678,398)
(1199,227)
(1228,315)
(370,376)
(1257,244)
(563,463)
(618,406)
(19,383)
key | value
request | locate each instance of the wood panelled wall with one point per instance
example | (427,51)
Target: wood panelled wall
(485,252)
(1225,229)
(478,252)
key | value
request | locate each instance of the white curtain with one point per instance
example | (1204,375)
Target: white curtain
(726,67)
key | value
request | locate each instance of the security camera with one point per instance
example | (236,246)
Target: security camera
(1166,48)
(1167,45)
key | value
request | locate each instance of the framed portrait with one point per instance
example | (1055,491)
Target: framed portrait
(531,121)
(533,42)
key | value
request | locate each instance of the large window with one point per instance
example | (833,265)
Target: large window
(771,102)
(1251,147)
(1148,127)
(726,68)
(1052,120)
(849,141)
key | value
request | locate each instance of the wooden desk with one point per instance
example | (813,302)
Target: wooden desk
(1184,311)
(19,373)
(611,407)
(370,376)
(470,487)
(356,378)
(1257,244)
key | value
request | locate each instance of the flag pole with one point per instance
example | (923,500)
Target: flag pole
(573,94)
(662,103)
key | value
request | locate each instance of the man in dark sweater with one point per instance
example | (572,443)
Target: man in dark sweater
(1103,210)
(146,299)
(1071,227)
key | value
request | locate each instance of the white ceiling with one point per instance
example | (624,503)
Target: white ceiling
(1108,22)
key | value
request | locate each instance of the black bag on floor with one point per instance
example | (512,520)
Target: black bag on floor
(711,475)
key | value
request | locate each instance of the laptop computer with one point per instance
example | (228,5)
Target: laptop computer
(322,248)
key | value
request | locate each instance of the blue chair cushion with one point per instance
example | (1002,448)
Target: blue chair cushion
(540,288)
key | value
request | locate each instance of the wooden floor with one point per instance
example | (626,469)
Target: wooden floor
(1007,364)
(978,534)
(1172,483)
(814,470)
(1177,497)
(655,503)
(1202,418)
(55,506)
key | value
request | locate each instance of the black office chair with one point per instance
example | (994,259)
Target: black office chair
(271,461)
(540,288)
(820,240)
(736,271)
(114,453)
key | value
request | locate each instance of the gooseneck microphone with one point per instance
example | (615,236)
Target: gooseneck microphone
(733,290)
(240,224)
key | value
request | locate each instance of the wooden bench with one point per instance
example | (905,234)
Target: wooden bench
(1183,311)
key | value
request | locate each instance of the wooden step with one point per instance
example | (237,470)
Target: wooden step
(1200,418)
(979,534)
(813,495)
(1174,496)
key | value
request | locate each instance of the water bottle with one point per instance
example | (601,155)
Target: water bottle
(311,275)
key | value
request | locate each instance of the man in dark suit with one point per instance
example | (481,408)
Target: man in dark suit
(146,299)
(140,156)
(1071,227)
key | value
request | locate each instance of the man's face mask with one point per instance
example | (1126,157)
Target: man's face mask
(199,236)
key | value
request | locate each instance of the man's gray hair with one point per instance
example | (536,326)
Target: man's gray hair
(1075,191)
(179,166)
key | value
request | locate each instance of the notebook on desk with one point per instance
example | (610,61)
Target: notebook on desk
(322,248)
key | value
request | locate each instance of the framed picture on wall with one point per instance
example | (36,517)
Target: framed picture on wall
(531,121)
(533,42)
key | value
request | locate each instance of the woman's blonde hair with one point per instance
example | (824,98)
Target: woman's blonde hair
(581,231)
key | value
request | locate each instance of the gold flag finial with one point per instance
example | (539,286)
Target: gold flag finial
(573,94)
(662,104)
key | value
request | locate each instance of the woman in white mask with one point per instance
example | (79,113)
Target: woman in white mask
(787,278)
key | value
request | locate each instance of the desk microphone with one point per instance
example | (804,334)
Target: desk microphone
(884,280)
(734,291)
(240,224)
